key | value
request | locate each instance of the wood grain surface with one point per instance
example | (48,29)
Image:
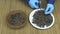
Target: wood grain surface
(9,5)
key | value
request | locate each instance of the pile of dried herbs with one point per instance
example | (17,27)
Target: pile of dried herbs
(16,19)
(41,19)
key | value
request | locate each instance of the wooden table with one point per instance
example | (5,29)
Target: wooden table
(9,5)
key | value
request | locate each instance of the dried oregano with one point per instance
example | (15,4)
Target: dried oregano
(41,19)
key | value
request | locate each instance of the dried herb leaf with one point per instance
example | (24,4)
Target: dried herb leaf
(41,19)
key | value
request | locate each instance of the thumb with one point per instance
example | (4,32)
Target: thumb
(46,11)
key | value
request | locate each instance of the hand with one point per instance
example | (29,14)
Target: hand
(34,4)
(49,8)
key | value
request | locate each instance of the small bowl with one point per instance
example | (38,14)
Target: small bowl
(31,19)
(13,13)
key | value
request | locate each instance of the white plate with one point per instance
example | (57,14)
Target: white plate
(31,19)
